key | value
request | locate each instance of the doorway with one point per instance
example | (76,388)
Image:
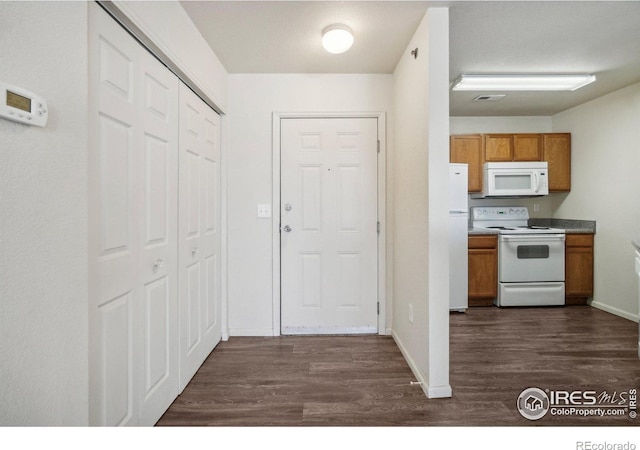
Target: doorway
(329,224)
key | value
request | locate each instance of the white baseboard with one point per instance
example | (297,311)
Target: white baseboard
(257,332)
(615,311)
(439,391)
(328,330)
(429,391)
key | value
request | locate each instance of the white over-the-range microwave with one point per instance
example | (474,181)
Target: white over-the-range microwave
(514,179)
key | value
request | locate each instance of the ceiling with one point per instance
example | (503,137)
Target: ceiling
(599,37)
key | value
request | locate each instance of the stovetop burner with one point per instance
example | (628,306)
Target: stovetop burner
(508,220)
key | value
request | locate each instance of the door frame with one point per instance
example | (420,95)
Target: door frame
(381,197)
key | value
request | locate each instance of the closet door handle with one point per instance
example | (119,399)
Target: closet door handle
(158,264)
(194,252)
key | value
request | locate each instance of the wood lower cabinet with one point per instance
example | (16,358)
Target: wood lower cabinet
(578,268)
(483,269)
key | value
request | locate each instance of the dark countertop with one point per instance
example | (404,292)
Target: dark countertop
(473,231)
(569,225)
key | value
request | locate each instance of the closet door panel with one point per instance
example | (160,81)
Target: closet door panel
(133,229)
(114,222)
(158,268)
(199,236)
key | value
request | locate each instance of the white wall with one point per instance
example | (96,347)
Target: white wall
(421,235)
(499,124)
(605,187)
(43,219)
(252,101)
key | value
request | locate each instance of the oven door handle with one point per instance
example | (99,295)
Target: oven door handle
(530,237)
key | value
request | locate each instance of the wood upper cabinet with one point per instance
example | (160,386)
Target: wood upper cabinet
(556,150)
(578,266)
(475,149)
(498,147)
(483,269)
(468,149)
(527,147)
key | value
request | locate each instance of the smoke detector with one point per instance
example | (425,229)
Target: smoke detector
(489,98)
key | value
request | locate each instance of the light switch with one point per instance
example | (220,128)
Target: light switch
(264,210)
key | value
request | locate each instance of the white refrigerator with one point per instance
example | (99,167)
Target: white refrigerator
(458,237)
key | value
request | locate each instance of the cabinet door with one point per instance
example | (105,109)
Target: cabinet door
(483,273)
(527,147)
(556,150)
(498,147)
(467,149)
(483,267)
(579,265)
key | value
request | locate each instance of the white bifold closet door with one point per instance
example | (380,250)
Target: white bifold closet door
(133,222)
(199,233)
(154,277)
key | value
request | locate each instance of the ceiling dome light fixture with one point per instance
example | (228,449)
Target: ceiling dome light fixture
(337,38)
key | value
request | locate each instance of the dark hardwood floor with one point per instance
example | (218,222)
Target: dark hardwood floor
(364,380)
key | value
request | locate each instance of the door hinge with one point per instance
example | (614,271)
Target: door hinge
(378,227)
(378,308)
(378,145)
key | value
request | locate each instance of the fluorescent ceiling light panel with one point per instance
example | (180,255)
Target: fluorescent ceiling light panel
(337,38)
(522,82)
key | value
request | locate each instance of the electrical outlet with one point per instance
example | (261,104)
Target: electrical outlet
(410,313)
(536,207)
(264,210)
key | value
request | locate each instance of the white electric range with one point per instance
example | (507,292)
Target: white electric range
(530,258)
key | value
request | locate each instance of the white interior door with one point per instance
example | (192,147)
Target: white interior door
(133,229)
(328,222)
(199,233)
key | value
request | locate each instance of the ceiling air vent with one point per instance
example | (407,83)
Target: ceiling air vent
(489,98)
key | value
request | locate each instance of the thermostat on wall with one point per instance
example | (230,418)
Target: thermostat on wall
(22,106)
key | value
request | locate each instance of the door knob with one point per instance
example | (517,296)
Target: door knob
(287,207)
(158,264)
(287,228)
(194,252)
